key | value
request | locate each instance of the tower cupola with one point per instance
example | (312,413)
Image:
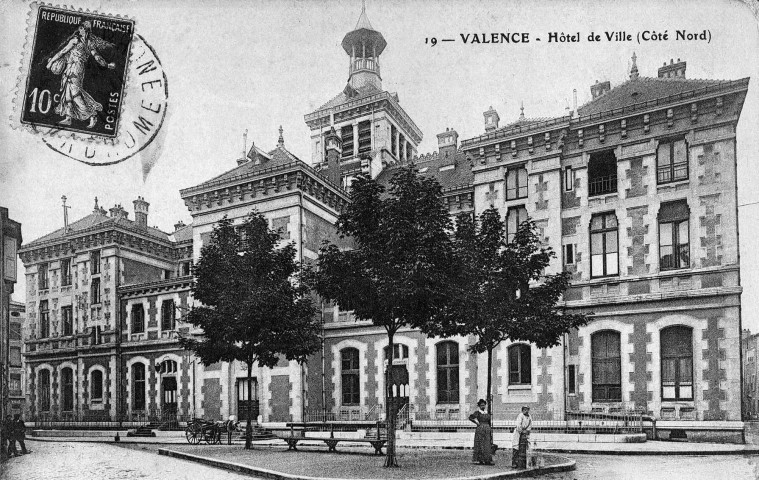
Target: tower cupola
(364,45)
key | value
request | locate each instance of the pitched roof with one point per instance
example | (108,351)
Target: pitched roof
(183,234)
(350,93)
(97,220)
(641,90)
(260,161)
(451,171)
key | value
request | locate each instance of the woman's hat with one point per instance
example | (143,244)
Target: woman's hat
(482,402)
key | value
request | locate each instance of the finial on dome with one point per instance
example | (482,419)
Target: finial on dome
(634,68)
(521,110)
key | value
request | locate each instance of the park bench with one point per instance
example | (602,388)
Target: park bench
(331,442)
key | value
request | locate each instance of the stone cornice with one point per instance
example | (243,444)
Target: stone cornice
(138,290)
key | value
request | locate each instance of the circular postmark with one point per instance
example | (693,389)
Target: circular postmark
(142,108)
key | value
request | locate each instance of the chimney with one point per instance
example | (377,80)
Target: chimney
(673,70)
(447,142)
(334,146)
(141,212)
(574,103)
(491,119)
(117,211)
(599,89)
(244,158)
(178,225)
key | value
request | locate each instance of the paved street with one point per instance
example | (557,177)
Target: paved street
(84,461)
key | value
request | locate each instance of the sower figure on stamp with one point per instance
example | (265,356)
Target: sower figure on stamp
(70,62)
(483,435)
(521,439)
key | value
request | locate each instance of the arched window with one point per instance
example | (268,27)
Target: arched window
(677,363)
(400,352)
(138,386)
(96,386)
(166,367)
(447,372)
(67,389)
(606,366)
(520,372)
(43,390)
(350,376)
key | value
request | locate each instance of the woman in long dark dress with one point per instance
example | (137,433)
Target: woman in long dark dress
(483,435)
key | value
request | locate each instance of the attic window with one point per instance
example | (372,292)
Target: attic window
(634,94)
(447,167)
(423,170)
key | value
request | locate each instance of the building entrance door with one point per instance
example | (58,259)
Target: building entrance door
(243,401)
(169,395)
(400,385)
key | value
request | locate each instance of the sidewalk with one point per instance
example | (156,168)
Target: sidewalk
(647,448)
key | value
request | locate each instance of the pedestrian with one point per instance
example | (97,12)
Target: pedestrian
(19,432)
(520,439)
(10,435)
(230,428)
(483,435)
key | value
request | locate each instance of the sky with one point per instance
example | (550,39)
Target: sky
(239,65)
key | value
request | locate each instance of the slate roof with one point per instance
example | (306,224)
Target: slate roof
(641,90)
(184,234)
(350,93)
(430,165)
(98,220)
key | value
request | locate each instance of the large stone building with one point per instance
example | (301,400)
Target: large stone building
(750,353)
(636,191)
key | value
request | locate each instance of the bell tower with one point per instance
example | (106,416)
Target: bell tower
(364,45)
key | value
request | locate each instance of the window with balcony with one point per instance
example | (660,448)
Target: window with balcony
(677,363)
(516,183)
(447,372)
(520,368)
(350,376)
(95,291)
(606,366)
(67,320)
(604,250)
(138,318)
(95,261)
(671,161)
(168,315)
(515,216)
(42,276)
(602,173)
(44,319)
(674,235)
(66,272)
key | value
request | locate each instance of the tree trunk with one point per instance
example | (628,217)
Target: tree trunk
(390,460)
(249,427)
(488,394)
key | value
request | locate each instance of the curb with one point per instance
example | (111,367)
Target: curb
(640,453)
(566,466)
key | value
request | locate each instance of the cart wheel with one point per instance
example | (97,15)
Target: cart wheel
(192,436)
(209,436)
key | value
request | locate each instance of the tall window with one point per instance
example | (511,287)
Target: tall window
(65,272)
(44,319)
(14,356)
(672,161)
(393,145)
(602,173)
(677,363)
(516,183)
(674,236)
(95,291)
(138,318)
(138,386)
(42,276)
(604,251)
(520,371)
(43,390)
(67,389)
(364,136)
(350,376)
(606,366)
(346,135)
(96,385)
(569,179)
(67,320)
(167,315)
(571,379)
(447,372)
(95,261)
(514,217)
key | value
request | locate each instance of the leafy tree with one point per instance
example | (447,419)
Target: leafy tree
(254,308)
(396,273)
(500,291)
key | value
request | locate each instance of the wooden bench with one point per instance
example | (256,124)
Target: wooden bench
(331,442)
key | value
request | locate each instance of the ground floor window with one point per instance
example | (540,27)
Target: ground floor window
(138,386)
(96,387)
(67,389)
(606,366)
(43,390)
(677,363)
(520,371)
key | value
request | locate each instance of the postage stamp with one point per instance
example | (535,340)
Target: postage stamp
(77,71)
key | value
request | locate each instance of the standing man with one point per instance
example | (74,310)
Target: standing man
(520,439)
(10,435)
(19,433)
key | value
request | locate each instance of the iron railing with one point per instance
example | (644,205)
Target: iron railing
(601,185)
(101,420)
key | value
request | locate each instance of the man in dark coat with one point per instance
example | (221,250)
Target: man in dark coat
(11,437)
(19,433)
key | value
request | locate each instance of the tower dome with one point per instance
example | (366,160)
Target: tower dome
(364,45)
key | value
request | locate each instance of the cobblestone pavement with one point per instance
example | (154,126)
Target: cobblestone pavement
(83,461)
(661,467)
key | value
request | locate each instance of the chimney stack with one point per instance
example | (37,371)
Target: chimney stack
(178,225)
(599,89)
(334,146)
(491,119)
(117,211)
(141,212)
(673,70)
(447,142)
